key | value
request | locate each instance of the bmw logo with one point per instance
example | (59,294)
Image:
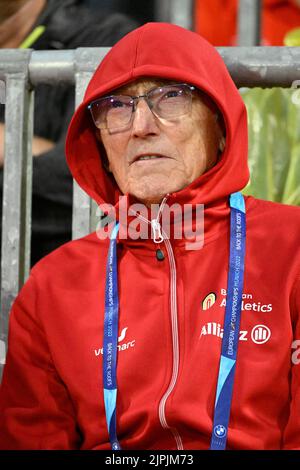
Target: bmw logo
(220,431)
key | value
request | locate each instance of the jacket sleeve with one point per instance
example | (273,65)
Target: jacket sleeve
(292,431)
(35,409)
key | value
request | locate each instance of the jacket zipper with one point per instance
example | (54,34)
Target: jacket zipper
(175,341)
(159,236)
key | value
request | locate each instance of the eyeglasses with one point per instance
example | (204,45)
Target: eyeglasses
(167,102)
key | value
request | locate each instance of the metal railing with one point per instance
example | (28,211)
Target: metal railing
(22,70)
(249,22)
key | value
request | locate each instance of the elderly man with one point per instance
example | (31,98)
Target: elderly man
(137,342)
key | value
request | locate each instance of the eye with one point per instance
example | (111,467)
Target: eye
(116,103)
(172,94)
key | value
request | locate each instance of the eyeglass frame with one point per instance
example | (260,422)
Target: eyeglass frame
(135,100)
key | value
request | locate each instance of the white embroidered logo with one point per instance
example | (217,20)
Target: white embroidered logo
(121,347)
(260,334)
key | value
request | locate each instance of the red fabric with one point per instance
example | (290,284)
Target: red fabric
(278,17)
(51,396)
(208,14)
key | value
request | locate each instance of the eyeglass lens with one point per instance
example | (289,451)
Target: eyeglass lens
(115,111)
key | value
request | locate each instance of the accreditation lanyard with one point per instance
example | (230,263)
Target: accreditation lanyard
(110,340)
(230,335)
(232,320)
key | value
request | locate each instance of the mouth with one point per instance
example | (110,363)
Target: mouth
(148,157)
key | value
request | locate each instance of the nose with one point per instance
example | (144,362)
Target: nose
(144,122)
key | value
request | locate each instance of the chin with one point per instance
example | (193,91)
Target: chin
(153,192)
(148,198)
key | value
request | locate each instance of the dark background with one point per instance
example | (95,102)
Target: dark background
(142,11)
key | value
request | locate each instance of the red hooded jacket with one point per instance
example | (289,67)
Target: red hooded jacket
(171,311)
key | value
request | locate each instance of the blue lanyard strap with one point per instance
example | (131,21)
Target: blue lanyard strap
(232,320)
(110,340)
(230,335)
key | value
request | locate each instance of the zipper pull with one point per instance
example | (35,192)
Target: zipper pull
(156,229)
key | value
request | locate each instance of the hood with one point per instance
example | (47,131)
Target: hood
(167,51)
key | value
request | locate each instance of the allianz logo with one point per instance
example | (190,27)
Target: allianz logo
(259,334)
(121,347)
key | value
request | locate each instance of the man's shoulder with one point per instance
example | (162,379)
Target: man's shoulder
(274,222)
(260,207)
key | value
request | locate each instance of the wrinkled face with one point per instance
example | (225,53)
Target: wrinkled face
(185,147)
